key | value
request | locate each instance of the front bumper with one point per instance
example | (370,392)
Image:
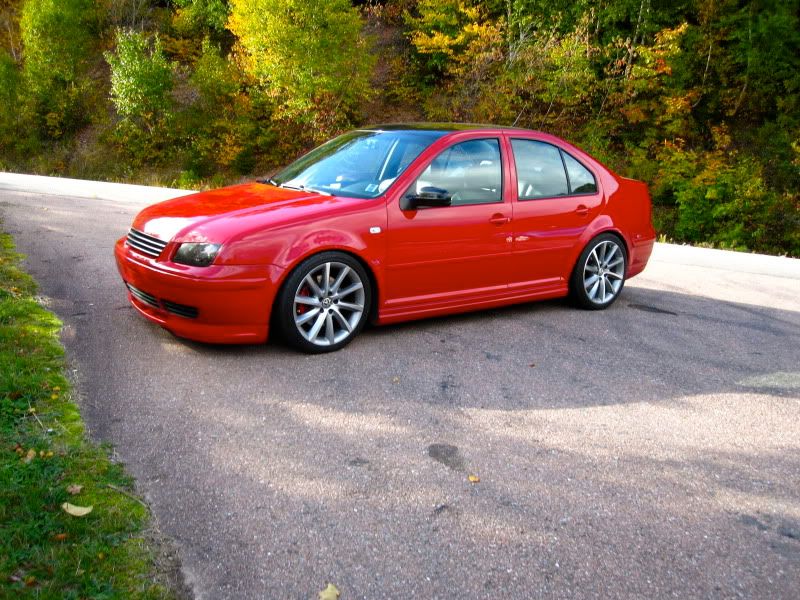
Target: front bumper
(216,304)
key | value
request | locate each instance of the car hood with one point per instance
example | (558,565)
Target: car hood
(214,215)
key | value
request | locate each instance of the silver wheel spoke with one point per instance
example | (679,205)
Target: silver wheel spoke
(345,323)
(353,288)
(593,292)
(329,333)
(602,289)
(614,275)
(350,306)
(326,278)
(313,285)
(338,283)
(312,335)
(615,263)
(307,300)
(306,317)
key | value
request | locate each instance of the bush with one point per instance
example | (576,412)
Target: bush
(141,79)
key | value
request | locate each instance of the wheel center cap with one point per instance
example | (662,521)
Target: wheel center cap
(326,303)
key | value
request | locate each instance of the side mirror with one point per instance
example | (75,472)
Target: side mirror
(428,197)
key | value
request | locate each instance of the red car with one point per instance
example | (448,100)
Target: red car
(388,224)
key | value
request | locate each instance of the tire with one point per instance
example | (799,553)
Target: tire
(599,275)
(324,303)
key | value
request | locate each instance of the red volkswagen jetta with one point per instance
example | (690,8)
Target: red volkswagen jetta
(388,224)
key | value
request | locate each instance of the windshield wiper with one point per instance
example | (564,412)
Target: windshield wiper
(269,181)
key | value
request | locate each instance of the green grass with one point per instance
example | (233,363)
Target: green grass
(45,552)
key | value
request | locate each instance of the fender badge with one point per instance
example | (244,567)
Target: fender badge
(374,229)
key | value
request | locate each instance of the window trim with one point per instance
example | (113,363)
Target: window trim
(502,199)
(561,153)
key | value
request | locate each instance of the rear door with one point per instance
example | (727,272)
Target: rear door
(555,198)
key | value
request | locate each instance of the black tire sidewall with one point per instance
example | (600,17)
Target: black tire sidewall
(576,281)
(285,304)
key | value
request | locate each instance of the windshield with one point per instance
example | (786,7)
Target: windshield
(359,164)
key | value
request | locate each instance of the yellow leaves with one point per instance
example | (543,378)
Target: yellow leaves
(331,592)
(474,479)
(29,456)
(76,511)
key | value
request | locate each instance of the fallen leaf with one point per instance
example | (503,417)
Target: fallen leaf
(29,456)
(74,489)
(76,511)
(60,537)
(395,380)
(30,581)
(329,593)
(532,365)
(474,479)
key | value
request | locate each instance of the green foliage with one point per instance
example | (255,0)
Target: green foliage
(699,98)
(9,95)
(310,58)
(57,36)
(141,78)
(192,16)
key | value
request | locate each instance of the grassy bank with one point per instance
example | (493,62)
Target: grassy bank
(46,461)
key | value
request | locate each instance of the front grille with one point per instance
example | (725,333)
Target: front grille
(146,244)
(143,296)
(182,310)
(189,312)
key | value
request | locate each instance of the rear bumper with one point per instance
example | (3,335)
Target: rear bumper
(639,255)
(217,304)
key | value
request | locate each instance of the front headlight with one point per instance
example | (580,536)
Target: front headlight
(196,255)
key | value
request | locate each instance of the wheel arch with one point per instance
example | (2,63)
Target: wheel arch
(373,280)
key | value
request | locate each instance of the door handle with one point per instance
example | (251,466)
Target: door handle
(499,219)
(582,210)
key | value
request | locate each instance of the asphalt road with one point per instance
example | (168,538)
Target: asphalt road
(650,450)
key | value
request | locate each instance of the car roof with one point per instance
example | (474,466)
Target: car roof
(441,127)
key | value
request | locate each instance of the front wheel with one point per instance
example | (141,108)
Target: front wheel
(324,303)
(599,274)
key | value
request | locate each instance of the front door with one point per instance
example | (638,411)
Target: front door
(451,254)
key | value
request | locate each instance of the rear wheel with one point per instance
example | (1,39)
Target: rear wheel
(599,275)
(324,303)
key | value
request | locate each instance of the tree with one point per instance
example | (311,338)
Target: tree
(310,57)
(141,79)
(57,36)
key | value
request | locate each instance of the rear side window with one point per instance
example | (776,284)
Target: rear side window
(545,171)
(581,180)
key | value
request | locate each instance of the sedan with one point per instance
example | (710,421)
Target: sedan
(388,224)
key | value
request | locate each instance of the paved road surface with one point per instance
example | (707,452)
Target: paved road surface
(650,450)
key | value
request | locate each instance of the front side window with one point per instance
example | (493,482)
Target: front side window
(359,164)
(469,173)
(540,172)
